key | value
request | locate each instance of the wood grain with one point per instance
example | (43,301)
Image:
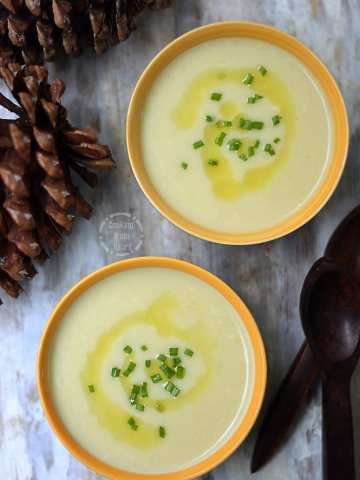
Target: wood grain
(268,277)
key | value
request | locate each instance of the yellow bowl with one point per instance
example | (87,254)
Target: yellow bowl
(45,350)
(286,42)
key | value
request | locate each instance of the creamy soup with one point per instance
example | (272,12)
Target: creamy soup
(236,135)
(151,370)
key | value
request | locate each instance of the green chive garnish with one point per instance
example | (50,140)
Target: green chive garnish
(134,393)
(160,407)
(173,351)
(184,165)
(180,372)
(257,144)
(172,389)
(243,157)
(188,352)
(220,139)
(147,363)
(161,357)
(127,349)
(140,407)
(216,96)
(144,390)
(130,368)
(276,120)
(257,125)
(224,123)
(276,140)
(156,378)
(91,388)
(248,79)
(209,118)
(162,432)
(115,372)
(176,361)
(254,98)
(269,149)
(198,144)
(234,144)
(262,70)
(251,151)
(169,372)
(144,348)
(132,423)
(212,162)
(245,124)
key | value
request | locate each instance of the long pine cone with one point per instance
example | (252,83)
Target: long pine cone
(34,31)
(40,151)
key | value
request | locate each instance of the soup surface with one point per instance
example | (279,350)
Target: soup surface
(236,135)
(151,370)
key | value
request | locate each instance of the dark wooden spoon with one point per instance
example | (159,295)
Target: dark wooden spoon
(295,390)
(330,312)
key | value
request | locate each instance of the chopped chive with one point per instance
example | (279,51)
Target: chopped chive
(209,118)
(176,361)
(216,96)
(133,425)
(251,151)
(276,140)
(234,144)
(184,165)
(135,390)
(140,407)
(243,157)
(162,432)
(156,378)
(262,70)
(130,368)
(269,149)
(161,357)
(248,79)
(144,390)
(173,351)
(91,388)
(257,144)
(220,139)
(160,407)
(224,123)
(212,162)
(245,124)
(180,372)
(172,389)
(254,98)
(257,125)
(188,352)
(147,363)
(144,348)
(276,120)
(169,372)
(115,372)
(127,349)
(198,144)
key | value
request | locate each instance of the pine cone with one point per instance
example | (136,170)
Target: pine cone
(40,151)
(34,31)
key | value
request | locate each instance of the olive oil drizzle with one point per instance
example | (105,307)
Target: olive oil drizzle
(110,414)
(186,115)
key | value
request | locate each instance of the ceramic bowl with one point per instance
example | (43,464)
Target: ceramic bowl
(316,67)
(255,396)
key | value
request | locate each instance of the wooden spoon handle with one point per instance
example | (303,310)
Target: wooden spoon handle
(338,436)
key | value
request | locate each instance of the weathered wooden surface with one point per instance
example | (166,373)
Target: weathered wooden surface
(268,277)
